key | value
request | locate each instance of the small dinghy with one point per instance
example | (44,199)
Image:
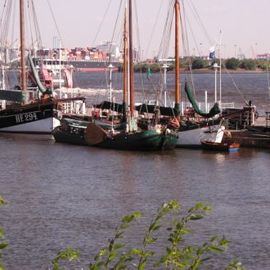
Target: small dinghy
(217,144)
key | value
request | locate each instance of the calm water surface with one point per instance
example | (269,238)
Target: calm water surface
(62,195)
(236,88)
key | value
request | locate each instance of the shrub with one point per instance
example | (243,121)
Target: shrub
(248,64)
(232,63)
(199,63)
(177,254)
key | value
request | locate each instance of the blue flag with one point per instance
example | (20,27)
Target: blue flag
(212,53)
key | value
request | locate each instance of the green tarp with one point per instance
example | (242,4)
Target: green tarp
(213,111)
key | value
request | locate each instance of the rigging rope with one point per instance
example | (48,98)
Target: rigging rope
(137,28)
(30,25)
(153,29)
(115,26)
(5,22)
(2,28)
(236,87)
(139,51)
(166,34)
(200,21)
(55,23)
(13,23)
(102,21)
(186,49)
(36,25)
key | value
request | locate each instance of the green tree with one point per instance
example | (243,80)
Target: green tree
(248,64)
(263,64)
(232,63)
(198,63)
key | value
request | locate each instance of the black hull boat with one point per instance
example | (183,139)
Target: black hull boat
(34,118)
(71,131)
(30,110)
(38,117)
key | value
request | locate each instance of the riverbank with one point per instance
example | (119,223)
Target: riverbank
(230,71)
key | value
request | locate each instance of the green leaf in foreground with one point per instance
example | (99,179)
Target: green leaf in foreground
(69,254)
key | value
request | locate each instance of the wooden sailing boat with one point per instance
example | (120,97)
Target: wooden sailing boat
(21,116)
(28,115)
(129,136)
(189,134)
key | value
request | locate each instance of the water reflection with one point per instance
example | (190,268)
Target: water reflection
(62,195)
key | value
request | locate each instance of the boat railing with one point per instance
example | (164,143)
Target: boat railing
(204,106)
(229,105)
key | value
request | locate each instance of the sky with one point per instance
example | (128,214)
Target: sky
(244,24)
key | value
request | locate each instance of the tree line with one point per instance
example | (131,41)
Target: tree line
(198,63)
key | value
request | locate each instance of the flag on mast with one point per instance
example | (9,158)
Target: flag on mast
(212,53)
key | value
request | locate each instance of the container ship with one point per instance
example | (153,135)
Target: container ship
(100,58)
(92,65)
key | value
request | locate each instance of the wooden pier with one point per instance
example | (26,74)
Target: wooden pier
(257,135)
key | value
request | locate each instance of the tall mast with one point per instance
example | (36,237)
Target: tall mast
(131,71)
(125,67)
(220,66)
(22,49)
(177,58)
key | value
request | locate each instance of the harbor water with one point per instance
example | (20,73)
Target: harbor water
(64,195)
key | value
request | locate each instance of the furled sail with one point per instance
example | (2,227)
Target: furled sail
(213,111)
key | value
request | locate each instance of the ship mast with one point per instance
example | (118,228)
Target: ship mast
(125,67)
(22,46)
(130,53)
(177,58)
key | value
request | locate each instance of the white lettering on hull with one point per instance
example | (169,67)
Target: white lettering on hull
(26,117)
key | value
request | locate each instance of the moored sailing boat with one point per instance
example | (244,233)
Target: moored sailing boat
(22,116)
(154,137)
(189,133)
(33,111)
(129,136)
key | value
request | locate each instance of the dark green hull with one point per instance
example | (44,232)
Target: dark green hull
(77,132)
(145,140)
(69,137)
(148,140)
(71,131)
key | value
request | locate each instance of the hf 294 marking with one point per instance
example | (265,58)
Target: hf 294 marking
(26,117)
